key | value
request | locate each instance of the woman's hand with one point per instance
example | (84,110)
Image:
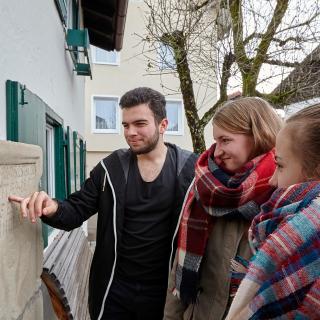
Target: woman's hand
(244,314)
(240,306)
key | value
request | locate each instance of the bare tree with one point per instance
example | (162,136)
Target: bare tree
(232,44)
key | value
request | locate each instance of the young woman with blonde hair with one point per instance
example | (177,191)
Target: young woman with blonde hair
(231,182)
(283,278)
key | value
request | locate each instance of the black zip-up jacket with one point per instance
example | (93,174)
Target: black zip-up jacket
(104,192)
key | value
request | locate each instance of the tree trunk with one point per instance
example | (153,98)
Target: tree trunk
(176,41)
(197,135)
(249,84)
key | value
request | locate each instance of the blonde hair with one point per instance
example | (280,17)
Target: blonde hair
(304,130)
(251,116)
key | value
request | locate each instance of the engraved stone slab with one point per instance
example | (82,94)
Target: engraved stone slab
(21,248)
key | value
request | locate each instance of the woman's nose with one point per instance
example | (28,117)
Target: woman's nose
(273,181)
(217,151)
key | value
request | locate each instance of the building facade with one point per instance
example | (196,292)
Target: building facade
(44,61)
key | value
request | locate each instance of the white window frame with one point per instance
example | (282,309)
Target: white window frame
(50,160)
(117,63)
(69,15)
(161,64)
(69,6)
(180,131)
(93,115)
(50,143)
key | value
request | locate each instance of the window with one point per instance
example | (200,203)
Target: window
(175,118)
(50,168)
(62,9)
(77,160)
(69,13)
(50,175)
(105,115)
(101,56)
(40,125)
(166,57)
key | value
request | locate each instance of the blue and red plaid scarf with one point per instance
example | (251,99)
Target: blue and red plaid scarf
(287,263)
(215,193)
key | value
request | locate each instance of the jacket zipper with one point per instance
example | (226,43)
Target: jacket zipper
(115,236)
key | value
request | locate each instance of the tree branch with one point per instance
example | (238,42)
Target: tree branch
(305,23)
(200,6)
(277,99)
(279,41)
(209,114)
(282,63)
(229,59)
(237,27)
(263,47)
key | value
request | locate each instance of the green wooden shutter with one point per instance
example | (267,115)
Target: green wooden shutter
(77,160)
(60,164)
(70,162)
(26,121)
(75,15)
(12,110)
(82,161)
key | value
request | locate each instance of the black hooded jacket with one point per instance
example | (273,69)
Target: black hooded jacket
(104,192)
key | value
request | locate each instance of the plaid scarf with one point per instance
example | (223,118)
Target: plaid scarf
(287,264)
(215,193)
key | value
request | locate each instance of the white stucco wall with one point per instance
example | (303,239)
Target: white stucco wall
(33,53)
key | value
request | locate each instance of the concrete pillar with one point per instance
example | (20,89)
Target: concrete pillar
(21,247)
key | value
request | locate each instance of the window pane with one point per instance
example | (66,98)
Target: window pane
(50,166)
(50,169)
(62,8)
(173,109)
(78,183)
(72,169)
(106,56)
(106,113)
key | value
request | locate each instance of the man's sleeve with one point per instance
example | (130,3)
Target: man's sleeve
(79,206)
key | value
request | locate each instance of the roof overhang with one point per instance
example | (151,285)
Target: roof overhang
(105,21)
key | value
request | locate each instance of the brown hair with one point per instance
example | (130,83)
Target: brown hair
(251,116)
(154,99)
(304,130)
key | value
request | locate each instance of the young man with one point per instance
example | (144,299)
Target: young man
(138,194)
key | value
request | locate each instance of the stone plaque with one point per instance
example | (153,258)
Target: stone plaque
(21,247)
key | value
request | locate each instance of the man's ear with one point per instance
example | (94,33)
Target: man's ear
(163,125)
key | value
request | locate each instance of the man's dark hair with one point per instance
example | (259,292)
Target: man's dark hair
(154,99)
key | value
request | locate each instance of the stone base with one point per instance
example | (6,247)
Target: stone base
(21,246)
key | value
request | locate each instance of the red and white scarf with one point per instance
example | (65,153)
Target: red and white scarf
(215,193)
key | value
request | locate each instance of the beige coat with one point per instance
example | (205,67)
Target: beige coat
(227,239)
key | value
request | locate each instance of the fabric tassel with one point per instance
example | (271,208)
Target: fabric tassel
(239,268)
